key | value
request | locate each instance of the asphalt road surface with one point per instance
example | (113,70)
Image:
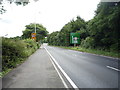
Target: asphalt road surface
(87,70)
(36,72)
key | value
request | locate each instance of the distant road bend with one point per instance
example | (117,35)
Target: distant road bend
(87,70)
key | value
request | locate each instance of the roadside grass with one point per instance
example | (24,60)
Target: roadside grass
(4,72)
(93,51)
(19,62)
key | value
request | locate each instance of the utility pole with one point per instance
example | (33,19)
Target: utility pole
(35,21)
(35,33)
(35,27)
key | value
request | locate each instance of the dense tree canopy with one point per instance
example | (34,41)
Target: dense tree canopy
(101,32)
(40,30)
(105,25)
(63,37)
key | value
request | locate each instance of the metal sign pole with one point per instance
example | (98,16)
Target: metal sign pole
(74,44)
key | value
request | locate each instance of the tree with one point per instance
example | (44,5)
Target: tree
(62,38)
(53,38)
(41,31)
(101,32)
(17,2)
(104,27)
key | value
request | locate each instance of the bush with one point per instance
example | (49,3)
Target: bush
(31,45)
(88,42)
(115,47)
(15,51)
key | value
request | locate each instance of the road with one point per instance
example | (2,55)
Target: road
(87,70)
(36,72)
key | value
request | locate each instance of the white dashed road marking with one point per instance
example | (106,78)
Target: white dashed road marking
(113,68)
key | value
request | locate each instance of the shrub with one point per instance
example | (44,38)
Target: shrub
(88,42)
(115,47)
(31,45)
(15,51)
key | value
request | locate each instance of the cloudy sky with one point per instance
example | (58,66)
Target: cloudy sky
(52,14)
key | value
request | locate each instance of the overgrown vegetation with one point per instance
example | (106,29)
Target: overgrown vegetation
(100,33)
(41,31)
(15,51)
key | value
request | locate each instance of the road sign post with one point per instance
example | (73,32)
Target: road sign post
(75,38)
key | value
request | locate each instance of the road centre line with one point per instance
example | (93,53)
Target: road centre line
(67,77)
(74,55)
(113,68)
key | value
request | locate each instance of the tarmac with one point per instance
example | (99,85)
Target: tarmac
(36,72)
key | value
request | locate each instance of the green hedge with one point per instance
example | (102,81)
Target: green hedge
(15,51)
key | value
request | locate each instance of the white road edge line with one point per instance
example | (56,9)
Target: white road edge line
(113,68)
(59,74)
(67,77)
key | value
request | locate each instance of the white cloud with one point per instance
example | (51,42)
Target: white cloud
(53,14)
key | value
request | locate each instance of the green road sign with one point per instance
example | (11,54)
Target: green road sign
(75,38)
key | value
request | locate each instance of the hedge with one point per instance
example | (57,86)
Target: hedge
(15,51)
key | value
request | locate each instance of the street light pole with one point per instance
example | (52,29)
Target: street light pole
(35,27)
(35,21)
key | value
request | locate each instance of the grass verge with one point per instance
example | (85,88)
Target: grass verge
(93,51)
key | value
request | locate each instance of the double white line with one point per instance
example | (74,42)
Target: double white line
(67,77)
